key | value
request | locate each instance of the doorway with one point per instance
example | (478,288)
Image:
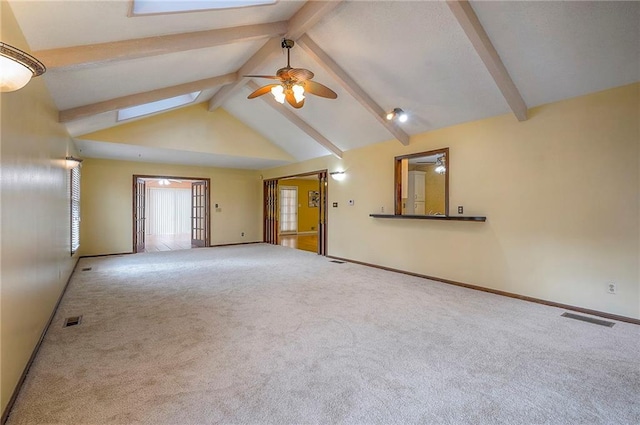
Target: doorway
(170,213)
(295,211)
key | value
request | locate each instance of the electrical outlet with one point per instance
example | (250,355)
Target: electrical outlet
(335,205)
(381,209)
(460,209)
(611,288)
(242,234)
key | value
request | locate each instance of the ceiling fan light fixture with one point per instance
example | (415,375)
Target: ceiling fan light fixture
(278,93)
(298,92)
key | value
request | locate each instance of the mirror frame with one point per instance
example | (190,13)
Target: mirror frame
(398,177)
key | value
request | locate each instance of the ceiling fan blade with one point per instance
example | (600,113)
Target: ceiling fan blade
(292,101)
(272,77)
(301,74)
(319,90)
(262,90)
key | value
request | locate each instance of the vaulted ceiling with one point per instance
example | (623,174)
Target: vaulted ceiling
(443,62)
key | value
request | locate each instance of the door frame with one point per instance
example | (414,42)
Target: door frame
(271,236)
(168,177)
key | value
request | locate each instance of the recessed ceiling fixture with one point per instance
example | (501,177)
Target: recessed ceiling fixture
(294,83)
(397,114)
(17,68)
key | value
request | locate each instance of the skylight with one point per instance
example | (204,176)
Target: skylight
(157,106)
(147,7)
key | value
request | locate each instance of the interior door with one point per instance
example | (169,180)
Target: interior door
(199,214)
(322,213)
(139,217)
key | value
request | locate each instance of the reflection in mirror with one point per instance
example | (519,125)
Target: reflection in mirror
(422,183)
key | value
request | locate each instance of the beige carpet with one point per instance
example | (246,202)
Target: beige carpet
(264,334)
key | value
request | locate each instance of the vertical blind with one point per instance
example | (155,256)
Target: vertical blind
(74,189)
(168,211)
(288,209)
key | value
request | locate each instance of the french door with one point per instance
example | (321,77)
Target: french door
(139,215)
(199,214)
(288,209)
(272,216)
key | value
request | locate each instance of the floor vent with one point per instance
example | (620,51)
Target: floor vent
(86,269)
(72,321)
(588,319)
(337,262)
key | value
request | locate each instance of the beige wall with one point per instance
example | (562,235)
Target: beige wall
(106,226)
(560,190)
(216,132)
(35,247)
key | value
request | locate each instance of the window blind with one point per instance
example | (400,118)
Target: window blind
(75,208)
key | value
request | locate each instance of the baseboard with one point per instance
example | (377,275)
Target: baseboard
(34,353)
(105,255)
(498,292)
(232,244)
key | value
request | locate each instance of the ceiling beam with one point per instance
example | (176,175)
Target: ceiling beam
(96,54)
(266,52)
(306,17)
(352,87)
(299,122)
(471,25)
(142,98)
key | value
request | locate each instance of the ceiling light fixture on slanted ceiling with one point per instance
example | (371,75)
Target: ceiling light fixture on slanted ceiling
(294,83)
(17,68)
(397,114)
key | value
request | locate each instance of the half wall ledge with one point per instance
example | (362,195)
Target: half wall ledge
(430,217)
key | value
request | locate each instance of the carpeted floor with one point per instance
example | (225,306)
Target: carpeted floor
(261,334)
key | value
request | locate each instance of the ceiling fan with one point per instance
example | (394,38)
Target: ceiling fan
(294,83)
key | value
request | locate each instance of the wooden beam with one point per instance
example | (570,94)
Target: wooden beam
(299,122)
(307,16)
(352,87)
(141,98)
(95,54)
(266,52)
(471,25)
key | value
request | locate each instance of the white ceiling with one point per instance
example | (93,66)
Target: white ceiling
(412,55)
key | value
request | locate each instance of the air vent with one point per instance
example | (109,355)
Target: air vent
(86,269)
(337,262)
(72,321)
(588,319)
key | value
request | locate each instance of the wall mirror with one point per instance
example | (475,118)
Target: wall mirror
(422,183)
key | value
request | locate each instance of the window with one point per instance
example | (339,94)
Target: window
(157,106)
(145,7)
(74,190)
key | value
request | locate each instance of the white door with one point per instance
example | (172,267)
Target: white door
(288,209)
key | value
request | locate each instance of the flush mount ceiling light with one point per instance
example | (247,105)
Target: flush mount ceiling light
(397,114)
(294,83)
(17,68)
